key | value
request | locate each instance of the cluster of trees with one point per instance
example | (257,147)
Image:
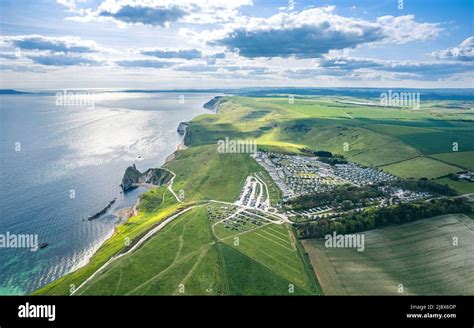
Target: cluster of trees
(320,153)
(326,156)
(375,218)
(333,160)
(425,185)
(345,194)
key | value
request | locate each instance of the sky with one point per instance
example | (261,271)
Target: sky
(182,44)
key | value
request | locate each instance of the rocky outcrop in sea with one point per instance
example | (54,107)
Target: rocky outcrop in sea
(133,177)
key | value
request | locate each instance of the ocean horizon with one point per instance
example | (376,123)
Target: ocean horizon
(62,164)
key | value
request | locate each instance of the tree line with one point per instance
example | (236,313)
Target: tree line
(335,197)
(379,217)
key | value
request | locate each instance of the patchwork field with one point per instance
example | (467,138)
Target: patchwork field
(419,255)
(371,136)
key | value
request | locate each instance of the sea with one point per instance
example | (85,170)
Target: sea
(63,161)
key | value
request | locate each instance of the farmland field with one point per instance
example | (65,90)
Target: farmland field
(460,186)
(420,167)
(418,255)
(271,246)
(440,142)
(463,159)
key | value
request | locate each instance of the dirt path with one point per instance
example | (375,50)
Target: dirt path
(138,244)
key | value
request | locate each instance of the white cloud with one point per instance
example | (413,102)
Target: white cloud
(161,12)
(418,69)
(307,34)
(463,52)
(403,29)
(65,44)
(314,32)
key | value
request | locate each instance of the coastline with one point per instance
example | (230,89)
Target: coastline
(123,214)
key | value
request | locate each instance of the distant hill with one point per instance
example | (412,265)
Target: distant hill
(13,92)
(426,94)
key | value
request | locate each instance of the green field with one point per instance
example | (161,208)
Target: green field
(271,246)
(420,167)
(183,253)
(441,142)
(420,256)
(185,258)
(460,186)
(462,159)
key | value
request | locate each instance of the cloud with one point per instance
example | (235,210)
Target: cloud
(21,68)
(420,69)
(308,34)
(146,15)
(249,70)
(211,59)
(310,73)
(197,68)
(160,12)
(53,44)
(218,55)
(313,32)
(463,52)
(403,29)
(6,55)
(145,63)
(167,53)
(347,63)
(53,51)
(63,60)
(70,4)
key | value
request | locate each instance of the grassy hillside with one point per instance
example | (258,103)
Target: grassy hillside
(203,173)
(185,258)
(163,205)
(183,253)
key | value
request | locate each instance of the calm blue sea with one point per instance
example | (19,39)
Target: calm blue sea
(82,149)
